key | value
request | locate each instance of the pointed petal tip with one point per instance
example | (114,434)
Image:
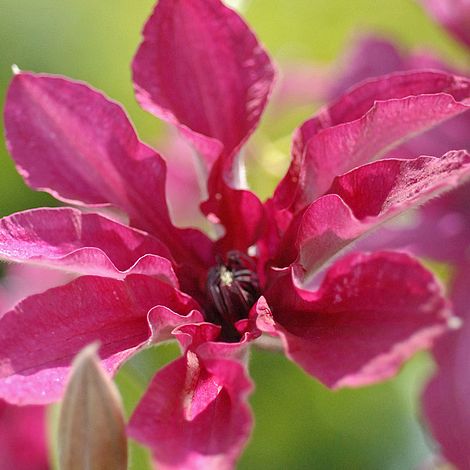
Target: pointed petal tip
(15,69)
(87,354)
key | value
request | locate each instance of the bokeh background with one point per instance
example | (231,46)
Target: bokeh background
(299,424)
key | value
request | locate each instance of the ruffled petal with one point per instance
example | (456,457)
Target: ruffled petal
(70,140)
(363,124)
(371,313)
(83,243)
(364,198)
(201,68)
(42,334)
(194,414)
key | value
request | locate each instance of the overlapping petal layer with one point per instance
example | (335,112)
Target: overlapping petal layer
(42,334)
(194,414)
(83,243)
(364,198)
(363,124)
(72,141)
(371,313)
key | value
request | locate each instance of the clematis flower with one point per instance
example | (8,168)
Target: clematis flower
(347,323)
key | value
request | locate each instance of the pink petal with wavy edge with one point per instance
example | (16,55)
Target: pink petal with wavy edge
(42,334)
(454,15)
(194,414)
(371,313)
(205,339)
(23,444)
(372,56)
(365,123)
(201,68)
(164,321)
(446,398)
(70,140)
(83,243)
(366,197)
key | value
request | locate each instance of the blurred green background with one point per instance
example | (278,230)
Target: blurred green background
(299,424)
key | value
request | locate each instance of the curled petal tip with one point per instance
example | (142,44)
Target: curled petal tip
(15,69)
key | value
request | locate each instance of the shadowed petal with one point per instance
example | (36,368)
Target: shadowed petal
(364,198)
(454,15)
(194,414)
(41,335)
(240,212)
(23,443)
(201,68)
(446,399)
(365,123)
(83,243)
(371,313)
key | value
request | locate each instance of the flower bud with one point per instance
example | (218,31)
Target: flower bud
(91,424)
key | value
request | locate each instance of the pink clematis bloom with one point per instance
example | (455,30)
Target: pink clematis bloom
(440,231)
(201,69)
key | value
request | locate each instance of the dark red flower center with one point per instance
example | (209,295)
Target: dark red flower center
(232,289)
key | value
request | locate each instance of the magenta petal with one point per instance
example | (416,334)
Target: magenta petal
(453,15)
(70,140)
(42,334)
(201,68)
(163,321)
(240,212)
(205,339)
(446,399)
(84,243)
(23,444)
(366,197)
(363,124)
(371,313)
(194,414)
